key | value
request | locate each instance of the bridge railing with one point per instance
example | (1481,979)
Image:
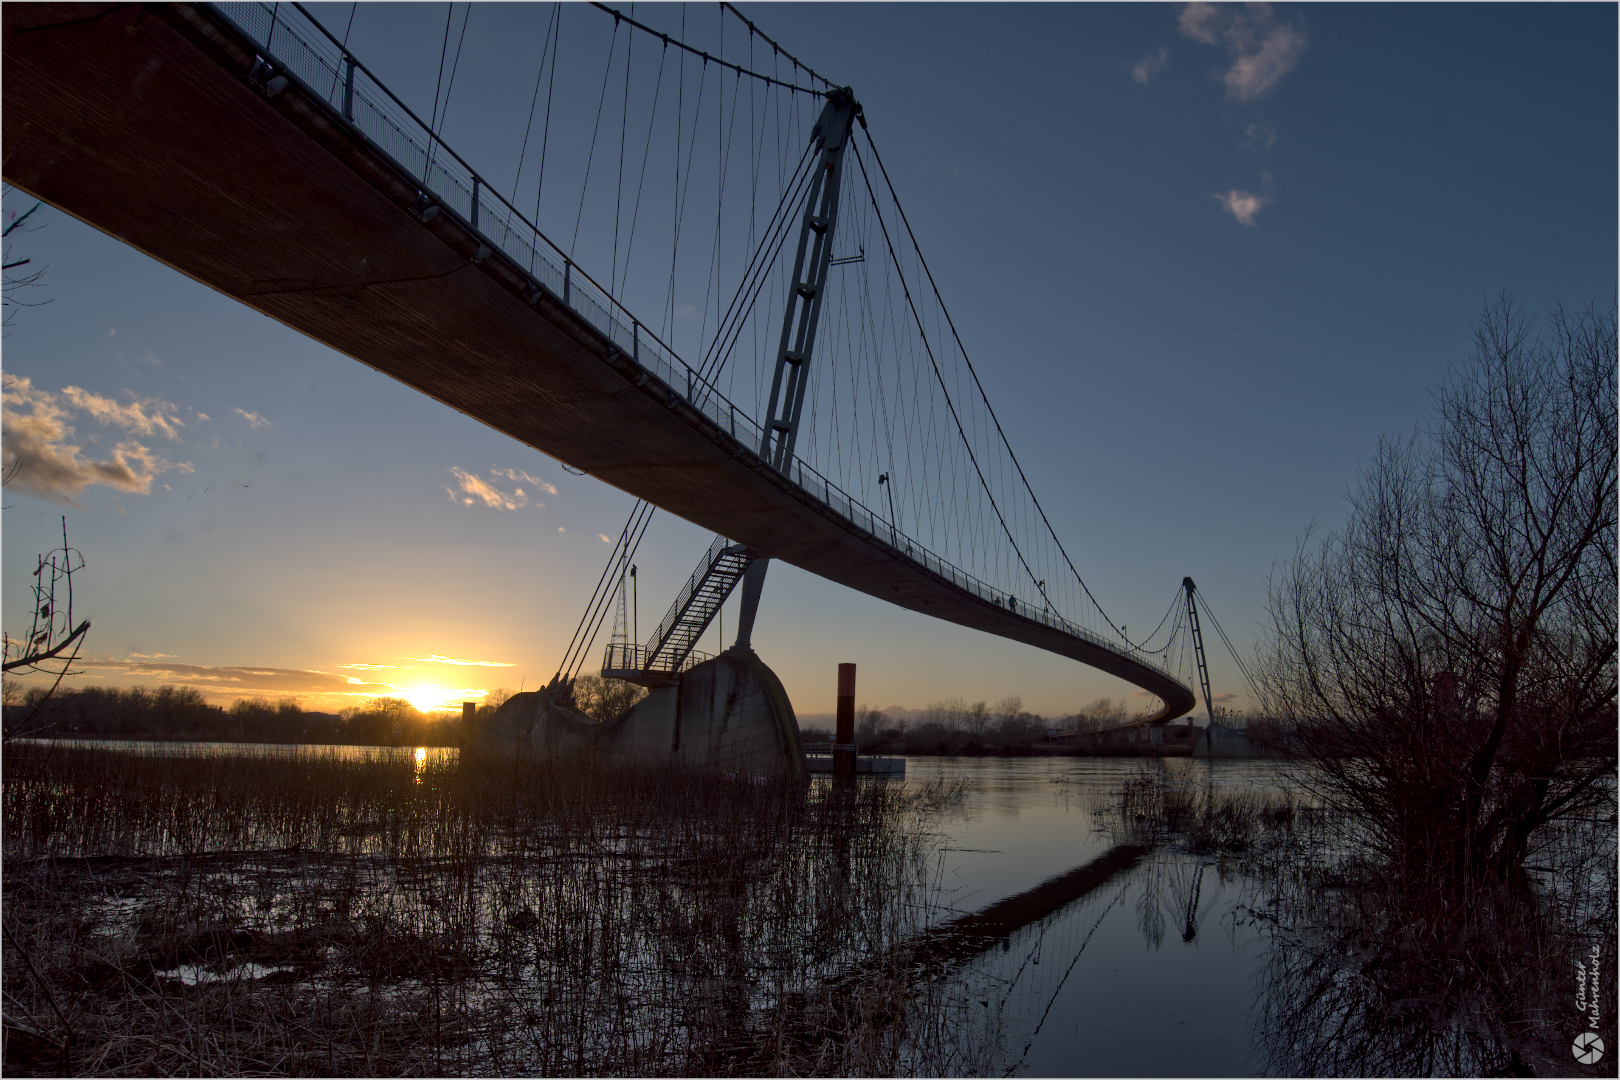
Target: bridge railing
(676,609)
(298,46)
(623,659)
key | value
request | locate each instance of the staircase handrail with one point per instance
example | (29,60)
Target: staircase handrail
(660,636)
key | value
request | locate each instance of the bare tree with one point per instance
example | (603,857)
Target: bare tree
(1102,713)
(605,700)
(1009,707)
(976,719)
(52,643)
(27,275)
(1447,657)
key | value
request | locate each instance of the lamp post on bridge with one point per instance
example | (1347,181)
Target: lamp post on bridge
(883,482)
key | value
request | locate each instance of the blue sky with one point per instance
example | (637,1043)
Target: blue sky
(1202,259)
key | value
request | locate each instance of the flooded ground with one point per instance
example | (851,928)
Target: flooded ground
(1150,974)
(360,909)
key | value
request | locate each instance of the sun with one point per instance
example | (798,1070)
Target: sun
(427,697)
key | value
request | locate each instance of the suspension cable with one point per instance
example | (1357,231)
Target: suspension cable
(985,397)
(755,275)
(1237,657)
(584,635)
(929,349)
(438,84)
(1175,603)
(579,214)
(528,128)
(667,40)
(545,132)
(797,63)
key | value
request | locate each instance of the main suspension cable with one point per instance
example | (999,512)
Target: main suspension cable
(929,349)
(797,63)
(739,69)
(985,397)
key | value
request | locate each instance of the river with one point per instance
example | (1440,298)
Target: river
(1148,970)
(1149,974)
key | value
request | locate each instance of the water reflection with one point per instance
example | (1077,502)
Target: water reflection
(421,756)
(702,926)
(1097,983)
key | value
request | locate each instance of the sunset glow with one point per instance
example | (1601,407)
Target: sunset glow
(431,697)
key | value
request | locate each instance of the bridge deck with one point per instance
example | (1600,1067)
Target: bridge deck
(142,121)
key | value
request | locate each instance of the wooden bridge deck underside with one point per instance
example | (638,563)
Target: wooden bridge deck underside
(140,121)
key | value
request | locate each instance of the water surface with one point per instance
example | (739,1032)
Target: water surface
(1149,974)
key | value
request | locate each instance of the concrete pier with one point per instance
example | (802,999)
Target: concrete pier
(730,713)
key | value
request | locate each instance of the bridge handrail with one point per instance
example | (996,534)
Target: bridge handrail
(581,293)
(622,656)
(673,616)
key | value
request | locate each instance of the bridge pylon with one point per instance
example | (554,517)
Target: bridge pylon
(801,316)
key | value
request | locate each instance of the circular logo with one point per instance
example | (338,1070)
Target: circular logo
(1588,1048)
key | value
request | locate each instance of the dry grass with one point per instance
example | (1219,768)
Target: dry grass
(1203,820)
(319,914)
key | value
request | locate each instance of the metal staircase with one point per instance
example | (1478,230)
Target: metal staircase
(669,651)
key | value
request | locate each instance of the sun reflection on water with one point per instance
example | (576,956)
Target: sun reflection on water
(420,758)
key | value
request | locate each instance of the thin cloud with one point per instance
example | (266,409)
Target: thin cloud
(1201,22)
(147,416)
(254,420)
(1241,205)
(1150,65)
(520,475)
(39,460)
(1254,75)
(473,490)
(1263,50)
(437,659)
(245,681)
(605,538)
(1259,137)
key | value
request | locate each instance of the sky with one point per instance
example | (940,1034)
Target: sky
(1203,257)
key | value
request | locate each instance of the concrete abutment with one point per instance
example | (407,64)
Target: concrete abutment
(730,713)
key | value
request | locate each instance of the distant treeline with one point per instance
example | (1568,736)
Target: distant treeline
(954,727)
(180,712)
(950,727)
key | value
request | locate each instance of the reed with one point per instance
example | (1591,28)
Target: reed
(317,913)
(1202,819)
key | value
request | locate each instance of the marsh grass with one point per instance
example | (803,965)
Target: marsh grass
(1151,808)
(323,914)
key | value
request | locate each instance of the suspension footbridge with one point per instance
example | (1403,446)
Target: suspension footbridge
(826,413)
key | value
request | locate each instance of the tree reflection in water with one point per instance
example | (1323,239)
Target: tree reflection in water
(1361,980)
(1362,977)
(312,914)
